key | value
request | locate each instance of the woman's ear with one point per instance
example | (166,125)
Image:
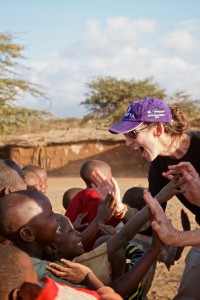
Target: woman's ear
(158,130)
(27,234)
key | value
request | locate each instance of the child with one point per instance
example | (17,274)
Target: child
(87,201)
(11,177)
(69,195)
(19,280)
(98,260)
(67,198)
(32,180)
(41,173)
(28,221)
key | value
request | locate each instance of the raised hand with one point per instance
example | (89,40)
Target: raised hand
(106,208)
(187,174)
(174,187)
(102,185)
(163,226)
(78,222)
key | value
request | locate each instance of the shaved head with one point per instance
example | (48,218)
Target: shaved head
(94,165)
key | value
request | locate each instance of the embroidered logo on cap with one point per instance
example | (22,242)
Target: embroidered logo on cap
(156,113)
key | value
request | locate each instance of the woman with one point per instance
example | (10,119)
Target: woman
(161,135)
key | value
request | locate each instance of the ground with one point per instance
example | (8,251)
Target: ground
(166,282)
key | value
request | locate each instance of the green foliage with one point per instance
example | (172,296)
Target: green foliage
(13,86)
(13,118)
(108,98)
(190,107)
(12,83)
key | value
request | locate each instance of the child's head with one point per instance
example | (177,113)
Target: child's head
(41,173)
(69,195)
(27,220)
(134,197)
(69,244)
(32,180)
(94,165)
(11,177)
(15,268)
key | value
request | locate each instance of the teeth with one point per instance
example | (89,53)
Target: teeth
(58,230)
(80,244)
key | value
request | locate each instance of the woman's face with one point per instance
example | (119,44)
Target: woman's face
(146,141)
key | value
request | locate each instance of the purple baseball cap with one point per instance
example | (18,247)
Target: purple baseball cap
(149,109)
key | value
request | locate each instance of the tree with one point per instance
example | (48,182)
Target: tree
(108,97)
(13,85)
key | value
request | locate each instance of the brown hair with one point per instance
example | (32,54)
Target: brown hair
(179,125)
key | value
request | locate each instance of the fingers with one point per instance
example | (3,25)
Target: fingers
(185,220)
(167,175)
(81,216)
(150,201)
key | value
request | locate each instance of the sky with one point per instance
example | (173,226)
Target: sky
(69,42)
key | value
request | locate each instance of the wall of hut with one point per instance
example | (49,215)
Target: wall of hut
(66,159)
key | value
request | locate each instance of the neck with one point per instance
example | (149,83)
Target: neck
(177,146)
(33,250)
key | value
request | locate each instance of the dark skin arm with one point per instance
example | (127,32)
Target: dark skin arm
(126,283)
(132,227)
(105,211)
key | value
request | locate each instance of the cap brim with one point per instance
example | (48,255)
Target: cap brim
(124,126)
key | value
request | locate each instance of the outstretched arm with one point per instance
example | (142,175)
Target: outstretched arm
(188,174)
(105,211)
(130,280)
(164,228)
(132,227)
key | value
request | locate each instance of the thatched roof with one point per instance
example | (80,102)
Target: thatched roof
(55,137)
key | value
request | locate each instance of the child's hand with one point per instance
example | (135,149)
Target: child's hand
(72,272)
(185,221)
(189,175)
(107,229)
(78,222)
(171,189)
(103,187)
(156,242)
(106,209)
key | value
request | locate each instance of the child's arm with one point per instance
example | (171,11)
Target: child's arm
(131,279)
(188,174)
(77,273)
(104,213)
(132,227)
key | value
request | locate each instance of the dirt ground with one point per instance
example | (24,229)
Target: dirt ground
(166,282)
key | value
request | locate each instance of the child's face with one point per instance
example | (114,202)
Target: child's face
(32,182)
(45,225)
(69,245)
(42,174)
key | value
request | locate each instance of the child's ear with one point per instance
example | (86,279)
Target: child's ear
(28,291)
(27,234)
(51,249)
(5,191)
(14,295)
